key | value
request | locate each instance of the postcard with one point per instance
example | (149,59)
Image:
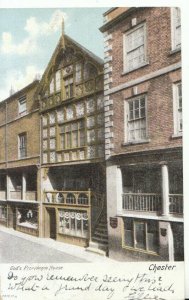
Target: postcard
(92,176)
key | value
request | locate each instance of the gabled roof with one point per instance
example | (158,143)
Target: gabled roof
(60,46)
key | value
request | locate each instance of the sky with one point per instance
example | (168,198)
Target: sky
(28,38)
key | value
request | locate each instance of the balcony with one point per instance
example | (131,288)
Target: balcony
(176,204)
(68,198)
(16,195)
(2,195)
(141,202)
(151,203)
(29,196)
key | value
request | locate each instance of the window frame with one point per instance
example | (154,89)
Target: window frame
(69,87)
(20,148)
(127,111)
(58,76)
(147,231)
(22,101)
(125,54)
(66,137)
(174,47)
(176,108)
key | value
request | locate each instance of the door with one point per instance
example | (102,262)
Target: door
(52,223)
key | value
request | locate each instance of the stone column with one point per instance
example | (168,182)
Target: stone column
(114,207)
(165,188)
(23,186)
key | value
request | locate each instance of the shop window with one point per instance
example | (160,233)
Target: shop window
(22,148)
(176,28)
(22,105)
(27,218)
(177,104)
(136,119)
(140,234)
(135,48)
(72,135)
(74,223)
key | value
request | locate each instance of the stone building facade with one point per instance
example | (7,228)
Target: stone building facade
(143,133)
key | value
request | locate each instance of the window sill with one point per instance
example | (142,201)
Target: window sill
(136,142)
(173,51)
(140,250)
(134,69)
(176,135)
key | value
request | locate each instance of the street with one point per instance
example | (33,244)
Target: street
(14,249)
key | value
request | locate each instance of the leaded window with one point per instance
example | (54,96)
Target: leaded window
(72,135)
(58,80)
(68,83)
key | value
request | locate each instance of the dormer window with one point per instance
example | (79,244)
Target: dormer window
(22,105)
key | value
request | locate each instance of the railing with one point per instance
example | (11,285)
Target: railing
(141,202)
(175,203)
(68,197)
(31,195)
(2,195)
(16,195)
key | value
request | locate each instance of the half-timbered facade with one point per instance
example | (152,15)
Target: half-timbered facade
(72,145)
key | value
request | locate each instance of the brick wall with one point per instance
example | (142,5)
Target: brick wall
(158,89)
(158,32)
(12,104)
(29,123)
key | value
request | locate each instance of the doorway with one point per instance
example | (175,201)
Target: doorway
(52,222)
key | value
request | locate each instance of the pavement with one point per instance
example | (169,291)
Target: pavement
(18,247)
